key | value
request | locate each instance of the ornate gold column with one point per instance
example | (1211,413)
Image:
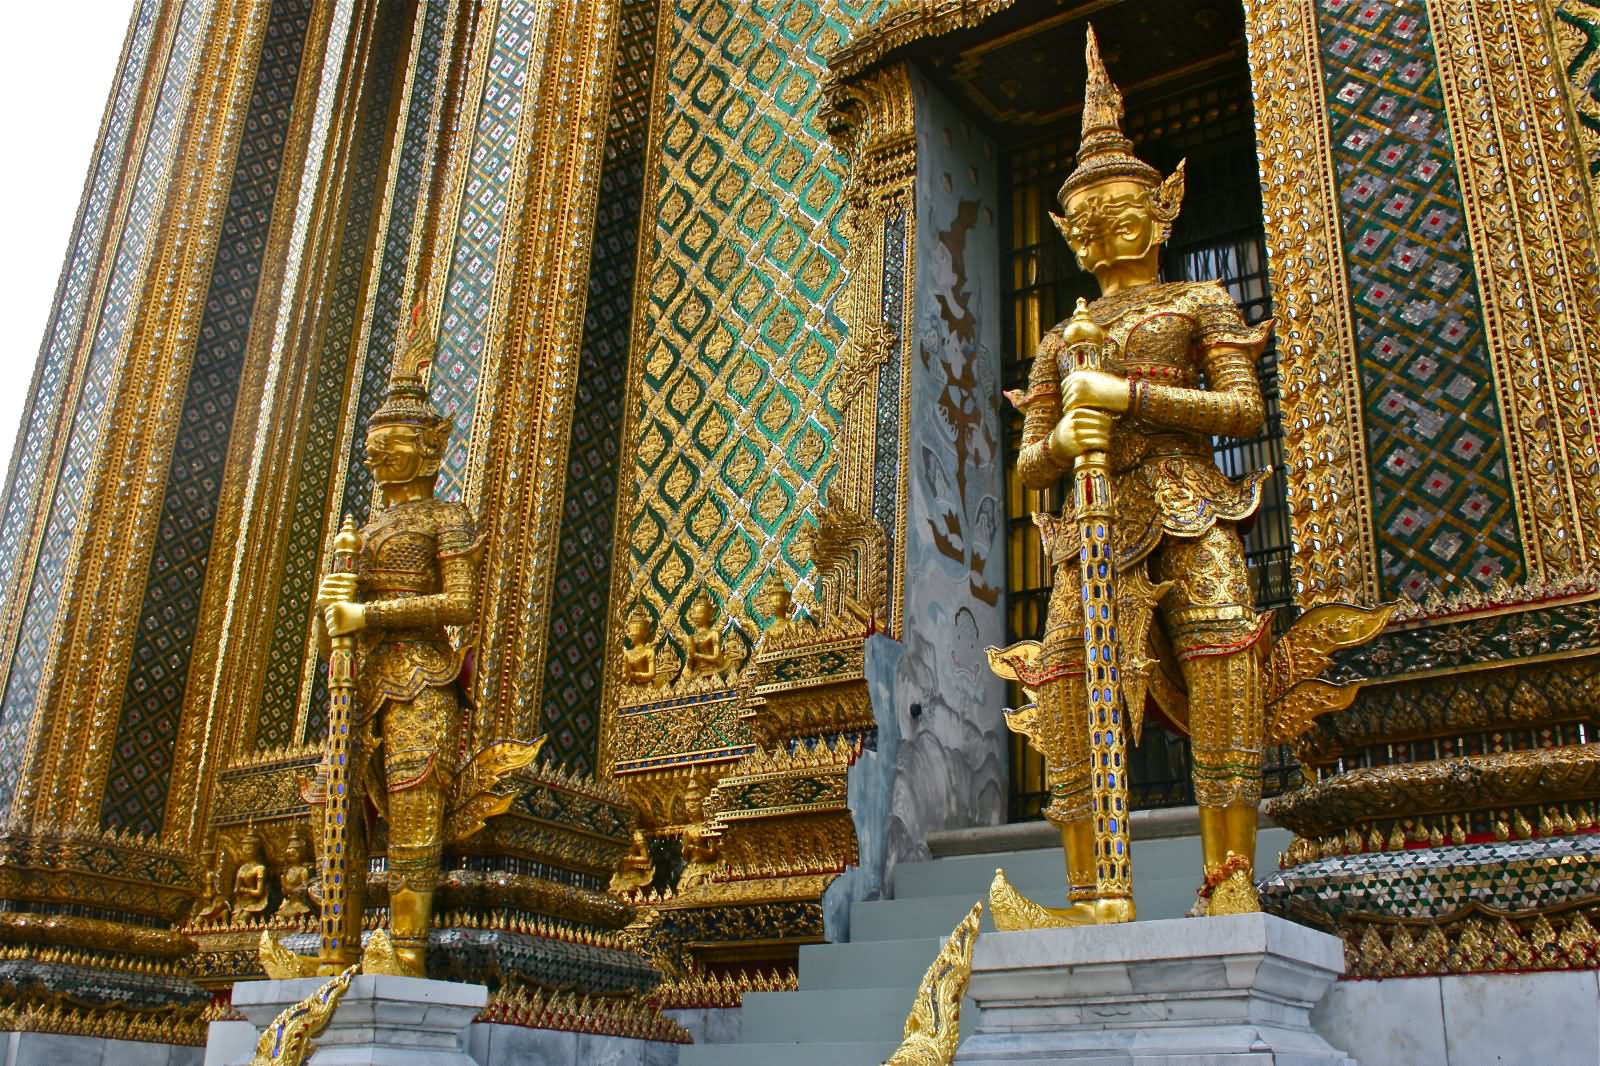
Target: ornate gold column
(521,435)
(1324,444)
(1533,243)
(1425,182)
(136,489)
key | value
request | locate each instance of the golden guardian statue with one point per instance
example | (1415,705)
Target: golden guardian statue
(1124,400)
(397,717)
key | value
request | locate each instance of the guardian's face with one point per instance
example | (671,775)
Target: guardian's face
(1111,222)
(394,454)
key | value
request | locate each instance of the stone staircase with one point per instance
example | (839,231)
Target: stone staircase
(854,996)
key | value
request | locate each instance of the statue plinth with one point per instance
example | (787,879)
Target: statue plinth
(382,1020)
(1236,988)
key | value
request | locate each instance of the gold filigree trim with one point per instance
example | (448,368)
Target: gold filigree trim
(1524,198)
(1476,939)
(904,22)
(1324,446)
(625,1016)
(1499,598)
(1508,780)
(700,989)
(45,1013)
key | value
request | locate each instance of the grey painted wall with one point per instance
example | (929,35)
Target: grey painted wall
(945,766)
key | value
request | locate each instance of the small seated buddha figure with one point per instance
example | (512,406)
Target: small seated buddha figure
(706,654)
(295,880)
(638,867)
(250,893)
(213,906)
(777,602)
(639,666)
(700,844)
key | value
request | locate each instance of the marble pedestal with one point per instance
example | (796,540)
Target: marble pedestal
(1227,991)
(382,1020)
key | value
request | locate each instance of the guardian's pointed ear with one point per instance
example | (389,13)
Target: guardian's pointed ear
(1168,196)
(1063,227)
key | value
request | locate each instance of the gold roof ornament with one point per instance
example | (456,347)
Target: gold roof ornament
(1105,153)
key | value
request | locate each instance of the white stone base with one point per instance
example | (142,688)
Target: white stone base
(515,1045)
(1488,1019)
(1227,991)
(382,1020)
(55,1049)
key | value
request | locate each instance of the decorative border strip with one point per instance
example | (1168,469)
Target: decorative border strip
(1335,555)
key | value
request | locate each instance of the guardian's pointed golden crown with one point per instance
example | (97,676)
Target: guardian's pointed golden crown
(1105,152)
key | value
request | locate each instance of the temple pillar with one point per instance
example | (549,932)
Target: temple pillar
(123,508)
(1434,266)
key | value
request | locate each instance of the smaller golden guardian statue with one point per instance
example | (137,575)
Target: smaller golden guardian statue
(295,878)
(396,724)
(1151,591)
(639,659)
(706,653)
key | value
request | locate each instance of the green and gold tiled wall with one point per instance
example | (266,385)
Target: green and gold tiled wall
(1442,511)
(731,427)
(1469,258)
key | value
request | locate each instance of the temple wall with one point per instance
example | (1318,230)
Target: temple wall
(940,760)
(952,761)
(730,427)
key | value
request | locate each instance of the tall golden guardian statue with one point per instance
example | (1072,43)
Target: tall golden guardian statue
(415,572)
(1125,397)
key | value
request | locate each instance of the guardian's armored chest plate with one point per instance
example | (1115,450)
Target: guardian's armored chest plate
(398,562)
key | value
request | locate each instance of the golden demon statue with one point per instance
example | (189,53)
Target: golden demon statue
(1125,398)
(412,571)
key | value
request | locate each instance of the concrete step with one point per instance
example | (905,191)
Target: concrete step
(1045,867)
(1165,876)
(912,919)
(842,1015)
(878,964)
(787,1054)
(854,996)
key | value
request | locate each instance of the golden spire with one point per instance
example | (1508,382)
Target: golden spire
(406,402)
(1105,152)
(1102,108)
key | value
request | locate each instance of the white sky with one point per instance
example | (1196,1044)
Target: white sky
(54,83)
